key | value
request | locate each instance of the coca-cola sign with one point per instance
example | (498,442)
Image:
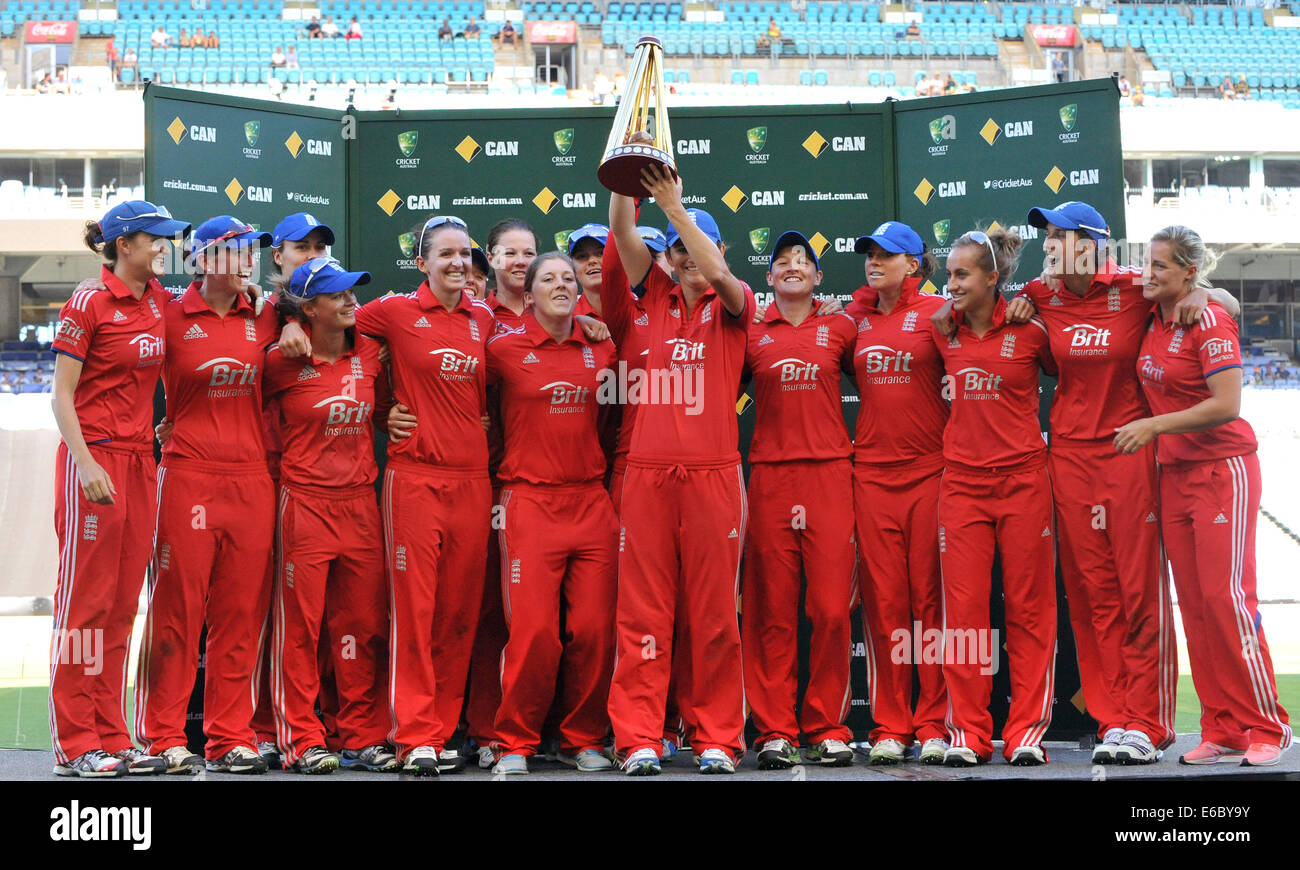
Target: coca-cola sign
(565,32)
(51,31)
(1053,34)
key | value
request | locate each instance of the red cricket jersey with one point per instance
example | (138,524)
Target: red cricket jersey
(1173,366)
(628,326)
(120,342)
(213,379)
(1095,340)
(688,389)
(496,439)
(796,374)
(438,372)
(994,385)
(549,395)
(900,379)
(325,414)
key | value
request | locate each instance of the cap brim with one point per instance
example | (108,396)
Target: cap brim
(575,239)
(167,228)
(298,237)
(789,239)
(1041,217)
(478,258)
(860,245)
(655,245)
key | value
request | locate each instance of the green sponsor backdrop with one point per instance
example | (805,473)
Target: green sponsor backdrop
(943,165)
(207,155)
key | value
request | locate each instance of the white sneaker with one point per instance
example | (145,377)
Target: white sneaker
(834,753)
(241,759)
(887,751)
(1028,756)
(643,762)
(451,761)
(180,760)
(486,758)
(716,761)
(1104,752)
(932,751)
(421,761)
(139,762)
(961,756)
(513,764)
(588,761)
(1136,748)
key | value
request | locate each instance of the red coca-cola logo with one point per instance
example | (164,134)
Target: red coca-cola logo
(553,31)
(1053,34)
(51,31)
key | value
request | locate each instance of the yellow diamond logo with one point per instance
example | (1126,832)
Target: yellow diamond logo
(234,190)
(176,129)
(468,149)
(993,228)
(735,198)
(819,244)
(990,131)
(924,191)
(1055,179)
(545,200)
(390,202)
(815,144)
(293,143)
(928,287)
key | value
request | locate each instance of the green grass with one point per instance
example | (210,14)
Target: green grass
(24,714)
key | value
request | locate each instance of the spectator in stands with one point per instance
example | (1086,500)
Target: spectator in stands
(45,85)
(472,30)
(1058,66)
(913,31)
(185,40)
(1243,89)
(444,32)
(277,58)
(129,61)
(1125,89)
(214,41)
(160,38)
(291,58)
(1139,97)
(313,28)
(354,28)
(329,28)
(200,39)
(111,56)
(1226,90)
(950,85)
(507,33)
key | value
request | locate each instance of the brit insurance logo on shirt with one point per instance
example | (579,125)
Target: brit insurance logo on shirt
(455,365)
(886,365)
(797,374)
(1219,350)
(151,349)
(975,383)
(345,415)
(228,377)
(1088,340)
(566,397)
(1150,371)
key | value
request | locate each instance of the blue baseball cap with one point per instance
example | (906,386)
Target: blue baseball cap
(894,237)
(701,219)
(323,275)
(295,228)
(789,239)
(137,216)
(654,238)
(227,231)
(599,232)
(1072,215)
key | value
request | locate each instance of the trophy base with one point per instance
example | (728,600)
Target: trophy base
(620,171)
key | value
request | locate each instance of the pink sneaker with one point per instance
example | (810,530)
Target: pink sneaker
(1262,755)
(1212,753)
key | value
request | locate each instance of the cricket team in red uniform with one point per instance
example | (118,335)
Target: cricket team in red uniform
(556,554)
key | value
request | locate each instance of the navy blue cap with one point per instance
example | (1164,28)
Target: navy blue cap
(295,228)
(139,216)
(894,237)
(654,238)
(323,275)
(227,231)
(701,219)
(599,232)
(479,259)
(1073,215)
(789,239)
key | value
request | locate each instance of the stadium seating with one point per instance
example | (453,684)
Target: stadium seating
(26,367)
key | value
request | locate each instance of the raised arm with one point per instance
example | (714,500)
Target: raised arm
(622,230)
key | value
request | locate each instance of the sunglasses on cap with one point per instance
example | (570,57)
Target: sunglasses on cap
(440,219)
(224,237)
(314,266)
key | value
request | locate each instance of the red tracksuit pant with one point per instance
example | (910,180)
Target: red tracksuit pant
(215,522)
(435,535)
(1208,514)
(897,509)
(559,551)
(1108,519)
(679,569)
(1010,511)
(483,696)
(790,535)
(103,554)
(329,571)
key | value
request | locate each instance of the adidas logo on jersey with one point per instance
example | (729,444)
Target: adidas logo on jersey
(530,359)
(1047,532)
(734,534)
(766,339)
(864,324)
(1151,517)
(1055,300)
(308,373)
(193,332)
(422,323)
(675,312)
(643,320)
(118,316)
(1220,519)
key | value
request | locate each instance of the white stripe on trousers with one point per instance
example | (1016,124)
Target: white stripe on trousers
(67,578)
(146,644)
(390,566)
(283,731)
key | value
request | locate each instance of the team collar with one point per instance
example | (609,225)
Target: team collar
(424,295)
(870,298)
(192,301)
(539,336)
(774,314)
(355,350)
(118,287)
(999,315)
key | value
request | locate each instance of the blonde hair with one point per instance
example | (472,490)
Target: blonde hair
(1187,249)
(1007,245)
